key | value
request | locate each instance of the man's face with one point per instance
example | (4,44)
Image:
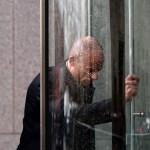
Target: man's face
(88,66)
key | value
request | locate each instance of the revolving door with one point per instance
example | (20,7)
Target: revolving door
(116,25)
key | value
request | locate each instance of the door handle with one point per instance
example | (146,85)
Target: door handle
(139,114)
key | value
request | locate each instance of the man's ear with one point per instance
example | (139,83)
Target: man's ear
(72,60)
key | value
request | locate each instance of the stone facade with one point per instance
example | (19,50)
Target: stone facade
(19,63)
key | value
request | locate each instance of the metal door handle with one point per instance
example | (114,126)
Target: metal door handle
(139,114)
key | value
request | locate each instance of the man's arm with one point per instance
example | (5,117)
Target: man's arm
(95,113)
(100,112)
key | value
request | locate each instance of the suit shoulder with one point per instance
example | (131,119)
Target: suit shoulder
(35,82)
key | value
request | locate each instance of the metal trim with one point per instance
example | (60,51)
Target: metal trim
(117,54)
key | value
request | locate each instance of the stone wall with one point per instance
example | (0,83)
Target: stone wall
(19,63)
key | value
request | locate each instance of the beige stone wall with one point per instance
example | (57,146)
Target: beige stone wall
(19,63)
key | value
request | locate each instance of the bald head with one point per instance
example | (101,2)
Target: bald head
(85,45)
(85,60)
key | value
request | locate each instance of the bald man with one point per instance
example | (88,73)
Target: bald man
(73,115)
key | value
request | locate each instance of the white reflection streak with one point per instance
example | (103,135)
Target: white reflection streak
(98,130)
(66,104)
(139,134)
(109,133)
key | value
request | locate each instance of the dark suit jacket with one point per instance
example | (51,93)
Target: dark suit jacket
(30,137)
(78,133)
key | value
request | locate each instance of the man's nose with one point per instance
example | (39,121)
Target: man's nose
(94,76)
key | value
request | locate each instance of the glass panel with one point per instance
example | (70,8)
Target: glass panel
(79,110)
(141,61)
(101,30)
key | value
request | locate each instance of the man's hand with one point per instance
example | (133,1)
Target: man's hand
(131,86)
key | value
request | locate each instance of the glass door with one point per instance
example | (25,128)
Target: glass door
(107,22)
(137,50)
(72,117)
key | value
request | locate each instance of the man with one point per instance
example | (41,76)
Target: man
(74,115)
